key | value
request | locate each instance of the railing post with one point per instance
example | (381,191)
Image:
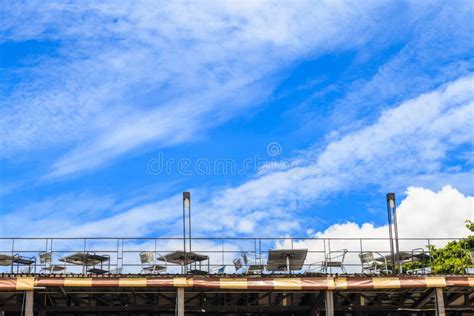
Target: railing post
(329,256)
(223,253)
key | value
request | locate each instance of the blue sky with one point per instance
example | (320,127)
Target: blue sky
(280,118)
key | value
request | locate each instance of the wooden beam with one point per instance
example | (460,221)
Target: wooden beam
(180,302)
(29,303)
(329,303)
(439,302)
(424,299)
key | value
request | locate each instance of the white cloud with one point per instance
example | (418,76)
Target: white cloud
(126,75)
(410,140)
(405,143)
(422,214)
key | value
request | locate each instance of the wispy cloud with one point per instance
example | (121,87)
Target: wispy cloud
(410,140)
(129,74)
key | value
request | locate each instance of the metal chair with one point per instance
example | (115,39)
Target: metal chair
(218,270)
(370,264)
(47,264)
(237,264)
(331,261)
(149,263)
(419,255)
(252,262)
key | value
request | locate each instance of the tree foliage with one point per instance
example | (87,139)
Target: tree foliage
(455,257)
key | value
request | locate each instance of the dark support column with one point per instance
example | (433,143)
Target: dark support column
(329,303)
(439,302)
(28,303)
(180,302)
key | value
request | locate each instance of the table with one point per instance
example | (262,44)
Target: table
(6,260)
(286,259)
(87,259)
(178,257)
(26,261)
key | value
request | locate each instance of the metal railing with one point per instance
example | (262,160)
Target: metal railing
(123,253)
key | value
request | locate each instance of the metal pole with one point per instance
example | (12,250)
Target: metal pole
(395,226)
(189,219)
(184,233)
(288,264)
(329,303)
(389,214)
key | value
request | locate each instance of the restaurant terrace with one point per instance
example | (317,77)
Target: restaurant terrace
(229,276)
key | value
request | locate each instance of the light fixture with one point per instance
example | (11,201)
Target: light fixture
(392,214)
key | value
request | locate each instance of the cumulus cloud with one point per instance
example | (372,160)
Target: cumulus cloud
(424,217)
(410,140)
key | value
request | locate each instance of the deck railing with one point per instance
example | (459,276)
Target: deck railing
(124,252)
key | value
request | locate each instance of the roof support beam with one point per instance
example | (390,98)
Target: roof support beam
(29,303)
(439,302)
(180,302)
(329,303)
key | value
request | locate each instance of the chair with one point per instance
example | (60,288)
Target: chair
(252,262)
(334,259)
(419,255)
(47,264)
(218,270)
(370,264)
(149,263)
(238,264)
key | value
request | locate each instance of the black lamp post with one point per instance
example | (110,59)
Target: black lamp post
(392,214)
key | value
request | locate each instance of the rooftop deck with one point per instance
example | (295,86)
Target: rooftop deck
(111,276)
(211,255)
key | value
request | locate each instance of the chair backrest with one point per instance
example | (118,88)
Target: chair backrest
(344,252)
(366,258)
(220,270)
(245,257)
(337,255)
(46,258)
(147,257)
(237,264)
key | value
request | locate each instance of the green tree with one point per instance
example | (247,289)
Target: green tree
(453,258)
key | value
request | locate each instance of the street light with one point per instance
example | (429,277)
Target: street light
(186,205)
(392,211)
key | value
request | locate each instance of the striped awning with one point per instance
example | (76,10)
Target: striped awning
(240,283)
